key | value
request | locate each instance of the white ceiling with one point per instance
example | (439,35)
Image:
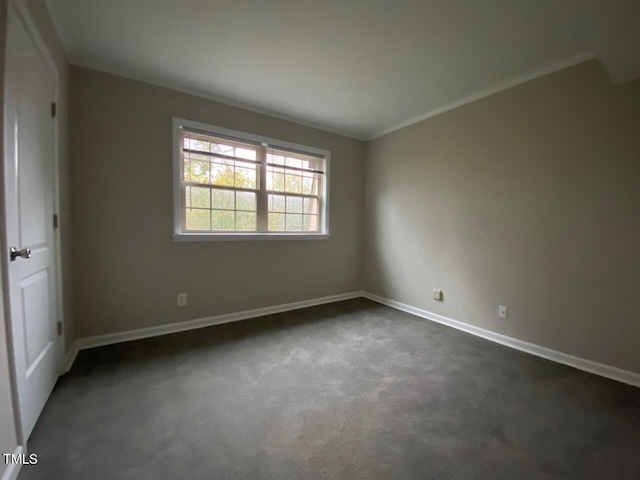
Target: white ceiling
(359,67)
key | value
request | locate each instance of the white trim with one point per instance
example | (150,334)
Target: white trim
(489,91)
(13,469)
(221,99)
(179,235)
(326,196)
(25,16)
(319,126)
(70,357)
(607,371)
(101,340)
(243,237)
(206,127)
(323,127)
(603,370)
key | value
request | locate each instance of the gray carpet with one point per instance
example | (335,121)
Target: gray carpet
(350,390)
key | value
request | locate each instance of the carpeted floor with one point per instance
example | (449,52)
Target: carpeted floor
(350,390)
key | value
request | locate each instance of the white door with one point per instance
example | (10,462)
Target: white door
(29,201)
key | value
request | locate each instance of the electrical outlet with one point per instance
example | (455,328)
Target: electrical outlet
(502,311)
(182,299)
(437,295)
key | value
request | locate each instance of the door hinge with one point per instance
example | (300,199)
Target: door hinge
(59,324)
(55,220)
(53,109)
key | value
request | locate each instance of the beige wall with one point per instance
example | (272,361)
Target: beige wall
(128,269)
(529,198)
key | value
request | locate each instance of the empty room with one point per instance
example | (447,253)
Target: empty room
(294,239)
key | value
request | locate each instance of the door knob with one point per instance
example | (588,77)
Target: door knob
(24,253)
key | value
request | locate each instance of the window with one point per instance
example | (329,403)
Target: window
(231,185)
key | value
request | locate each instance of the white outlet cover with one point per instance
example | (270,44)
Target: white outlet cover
(437,294)
(502,311)
(182,299)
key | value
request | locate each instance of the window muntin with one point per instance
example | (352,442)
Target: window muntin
(220,180)
(233,185)
(294,187)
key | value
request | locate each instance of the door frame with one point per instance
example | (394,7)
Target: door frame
(21,11)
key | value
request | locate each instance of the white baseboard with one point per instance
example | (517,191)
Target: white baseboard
(71,355)
(613,373)
(13,469)
(101,340)
(624,376)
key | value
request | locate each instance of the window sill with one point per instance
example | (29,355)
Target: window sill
(235,237)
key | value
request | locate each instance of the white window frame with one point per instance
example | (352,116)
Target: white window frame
(179,208)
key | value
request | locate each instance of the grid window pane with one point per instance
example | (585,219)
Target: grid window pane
(307,185)
(195,144)
(200,197)
(223,219)
(224,161)
(186,170)
(276,222)
(294,204)
(293,162)
(196,156)
(198,219)
(245,221)
(275,180)
(245,177)
(199,171)
(276,203)
(223,199)
(293,183)
(246,201)
(245,153)
(222,148)
(222,175)
(311,223)
(293,223)
(311,184)
(311,205)
(275,159)
(221,185)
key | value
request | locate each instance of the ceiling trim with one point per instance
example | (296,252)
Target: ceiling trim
(224,100)
(490,91)
(290,118)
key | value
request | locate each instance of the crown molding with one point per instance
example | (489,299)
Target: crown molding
(584,57)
